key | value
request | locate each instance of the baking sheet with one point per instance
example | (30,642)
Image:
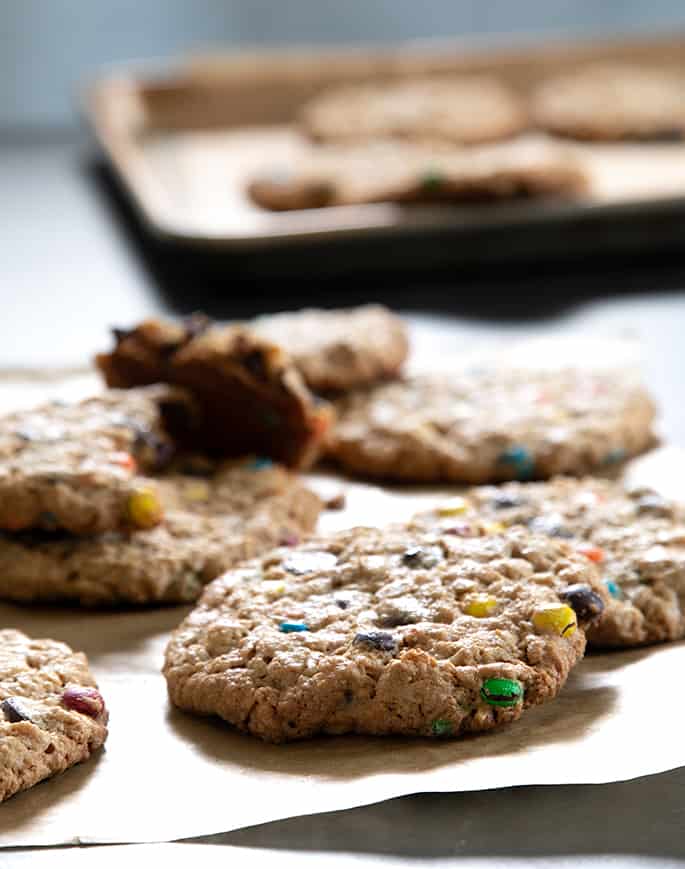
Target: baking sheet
(165,775)
(185,136)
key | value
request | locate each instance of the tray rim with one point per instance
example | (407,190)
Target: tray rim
(118,84)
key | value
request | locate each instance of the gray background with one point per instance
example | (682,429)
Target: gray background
(48,46)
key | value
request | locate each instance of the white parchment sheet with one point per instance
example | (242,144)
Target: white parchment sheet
(166,775)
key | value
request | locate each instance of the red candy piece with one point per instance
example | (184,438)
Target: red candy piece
(88,701)
(126,461)
(594,553)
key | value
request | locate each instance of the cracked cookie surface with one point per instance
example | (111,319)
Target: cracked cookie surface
(634,535)
(340,349)
(78,467)
(488,424)
(51,714)
(385,631)
(214,521)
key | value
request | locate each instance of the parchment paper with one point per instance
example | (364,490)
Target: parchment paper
(165,775)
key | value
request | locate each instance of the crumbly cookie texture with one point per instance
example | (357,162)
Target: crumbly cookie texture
(341,349)
(613,102)
(215,520)
(634,535)
(79,467)
(393,631)
(400,172)
(51,713)
(489,424)
(461,110)
(250,394)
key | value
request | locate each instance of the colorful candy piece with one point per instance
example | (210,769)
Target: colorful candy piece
(376,640)
(455,507)
(520,460)
(614,456)
(432,179)
(441,727)
(593,553)
(14,711)
(125,461)
(422,556)
(273,587)
(480,607)
(88,701)
(613,589)
(494,527)
(504,501)
(557,619)
(502,692)
(144,509)
(586,603)
(260,464)
(292,627)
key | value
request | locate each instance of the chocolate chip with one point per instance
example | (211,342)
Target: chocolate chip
(153,452)
(120,335)
(14,711)
(255,364)
(505,502)
(419,556)
(376,640)
(342,603)
(585,602)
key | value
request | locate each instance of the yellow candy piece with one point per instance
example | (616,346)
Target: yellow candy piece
(144,509)
(494,527)
(455,507)
(556,619)
(198,491)
(481,606)
(273,587)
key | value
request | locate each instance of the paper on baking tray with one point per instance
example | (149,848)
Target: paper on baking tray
(166,775)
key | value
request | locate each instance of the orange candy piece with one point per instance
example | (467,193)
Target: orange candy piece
(594,553)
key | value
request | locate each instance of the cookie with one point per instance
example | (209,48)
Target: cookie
(51,713)
(80,467)
(250,395)
(341,349)
(395,631)
(215,521)
(486,425)
(635,536)
(412,173)
(612,103)
(463,111)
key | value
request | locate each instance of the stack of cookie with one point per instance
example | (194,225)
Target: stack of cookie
(459,138)
(180,482)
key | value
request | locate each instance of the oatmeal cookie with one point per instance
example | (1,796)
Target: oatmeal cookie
(51,713)
(386,631)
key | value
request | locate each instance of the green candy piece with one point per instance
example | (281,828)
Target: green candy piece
(502,692)
(432,179)
(440,727)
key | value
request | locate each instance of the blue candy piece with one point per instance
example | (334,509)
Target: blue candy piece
(520,459)
(292,627)
(612,588)
(260,463)
(613,457)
